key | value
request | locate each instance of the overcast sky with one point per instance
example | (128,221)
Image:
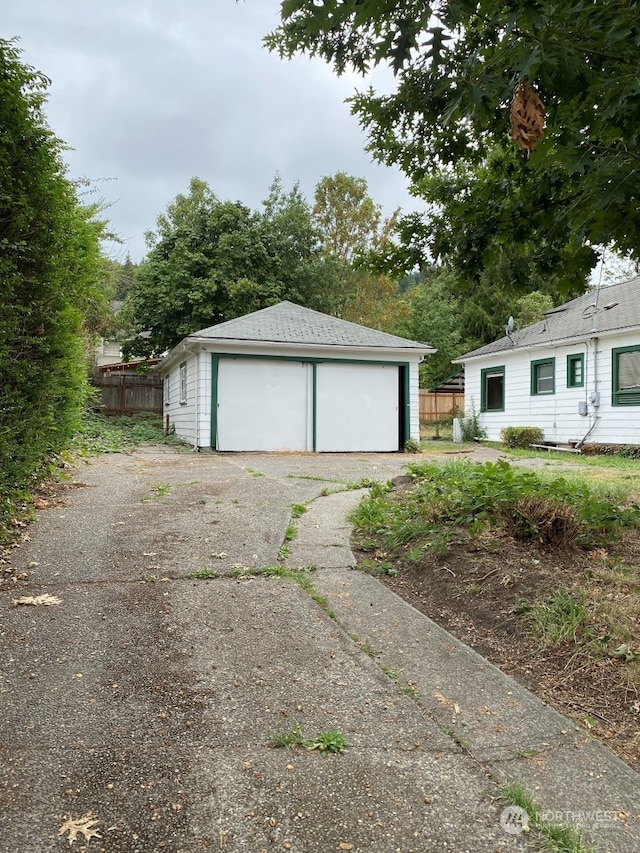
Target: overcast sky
(149,93)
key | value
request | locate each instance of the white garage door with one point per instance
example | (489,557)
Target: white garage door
(357,407)
(264,405)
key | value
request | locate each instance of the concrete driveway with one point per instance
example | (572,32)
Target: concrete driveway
(140,712)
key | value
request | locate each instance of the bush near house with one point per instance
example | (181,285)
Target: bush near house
(521,436)
(628,451)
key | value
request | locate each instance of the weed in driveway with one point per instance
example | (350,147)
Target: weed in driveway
(204,574)
(324,742)
(327,742)
(555,837)
(287,739)
(283,553)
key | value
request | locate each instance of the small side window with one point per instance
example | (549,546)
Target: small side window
(183,383)
(543,378)
(575,370)
(167,389)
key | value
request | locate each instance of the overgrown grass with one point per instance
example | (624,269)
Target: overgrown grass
(556,512)
(100,434)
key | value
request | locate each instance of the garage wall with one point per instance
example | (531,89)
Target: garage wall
(182,415)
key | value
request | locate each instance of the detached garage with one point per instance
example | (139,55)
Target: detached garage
(291,379)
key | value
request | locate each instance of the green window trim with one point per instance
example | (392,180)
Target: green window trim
(538,373)
(490,395)
(628,396)
(575,370)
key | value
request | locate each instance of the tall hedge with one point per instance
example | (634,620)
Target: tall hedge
(49,259)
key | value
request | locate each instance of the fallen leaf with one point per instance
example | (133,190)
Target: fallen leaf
(37,600)
(345,846)
(83,825)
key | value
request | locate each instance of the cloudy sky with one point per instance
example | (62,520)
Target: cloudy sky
(149,93)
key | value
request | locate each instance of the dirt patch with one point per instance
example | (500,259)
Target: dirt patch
(485,590)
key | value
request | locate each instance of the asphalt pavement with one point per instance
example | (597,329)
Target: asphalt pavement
(141,709)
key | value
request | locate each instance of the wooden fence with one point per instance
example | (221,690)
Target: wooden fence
(444,404)
(125,394)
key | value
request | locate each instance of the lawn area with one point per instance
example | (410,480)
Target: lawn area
(536,568)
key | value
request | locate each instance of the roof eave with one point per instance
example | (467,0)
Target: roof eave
(234,345)
(583,336)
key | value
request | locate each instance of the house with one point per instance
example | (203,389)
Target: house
(575,374)
(287,378)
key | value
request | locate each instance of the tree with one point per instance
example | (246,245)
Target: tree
(434,319)
(349,221)
(350,227)
(531,308)
(50,267)
(501,221)
(211,260)
(458,66)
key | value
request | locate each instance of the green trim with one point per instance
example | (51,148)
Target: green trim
(622,397)
(407,403)
(572,360)
(535,364)
(214,402)
(483,387)
(314,405)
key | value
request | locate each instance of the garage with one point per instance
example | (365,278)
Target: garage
(289,379)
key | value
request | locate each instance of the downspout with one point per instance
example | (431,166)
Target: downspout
(594,397)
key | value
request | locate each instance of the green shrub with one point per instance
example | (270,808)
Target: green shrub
(627,451)
(471,428)
(521,436)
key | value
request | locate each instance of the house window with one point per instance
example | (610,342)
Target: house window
(167,389)
(183,383)
(543,376)
(492,389)
(575,371)
(626,376)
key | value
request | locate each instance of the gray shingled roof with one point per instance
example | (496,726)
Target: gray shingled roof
(289,323)
(611,309)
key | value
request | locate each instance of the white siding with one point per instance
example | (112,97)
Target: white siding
(557,414)
(182,415)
